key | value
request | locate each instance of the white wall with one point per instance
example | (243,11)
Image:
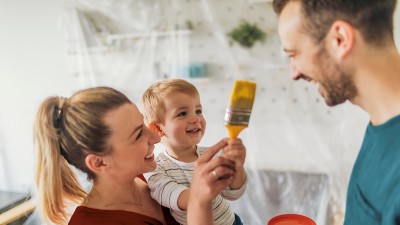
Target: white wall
(32,66)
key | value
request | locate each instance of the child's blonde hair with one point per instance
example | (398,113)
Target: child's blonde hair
(154,97)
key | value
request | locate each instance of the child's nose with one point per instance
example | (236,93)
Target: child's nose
(194,119)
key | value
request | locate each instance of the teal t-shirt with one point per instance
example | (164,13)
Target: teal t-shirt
(373,195)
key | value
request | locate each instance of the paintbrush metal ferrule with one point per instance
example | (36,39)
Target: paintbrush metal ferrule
(237,114)
(234,116)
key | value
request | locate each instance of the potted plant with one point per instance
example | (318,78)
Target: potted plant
(246,34)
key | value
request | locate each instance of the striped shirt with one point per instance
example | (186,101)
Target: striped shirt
(171,177)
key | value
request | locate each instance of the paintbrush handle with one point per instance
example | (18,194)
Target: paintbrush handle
(234,130)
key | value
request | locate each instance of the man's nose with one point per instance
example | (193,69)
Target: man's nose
(294,72)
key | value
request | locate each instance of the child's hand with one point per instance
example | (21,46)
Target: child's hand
(236,152)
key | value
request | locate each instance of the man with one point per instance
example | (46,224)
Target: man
(346,47)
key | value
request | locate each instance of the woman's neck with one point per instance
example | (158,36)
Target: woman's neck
(109,195)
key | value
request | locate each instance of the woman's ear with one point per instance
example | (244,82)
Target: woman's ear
(341,38)
(155,127)
(95,163)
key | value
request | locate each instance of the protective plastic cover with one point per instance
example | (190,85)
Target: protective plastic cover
(299,151)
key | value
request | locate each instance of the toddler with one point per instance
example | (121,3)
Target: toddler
(172,109)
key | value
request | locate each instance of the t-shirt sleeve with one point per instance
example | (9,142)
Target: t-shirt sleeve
(231,195)
(164,189)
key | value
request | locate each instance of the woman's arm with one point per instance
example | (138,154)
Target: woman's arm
(210,176)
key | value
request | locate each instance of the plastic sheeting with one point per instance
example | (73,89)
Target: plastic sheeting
(299,151)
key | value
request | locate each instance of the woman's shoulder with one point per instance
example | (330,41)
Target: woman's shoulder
(91,216)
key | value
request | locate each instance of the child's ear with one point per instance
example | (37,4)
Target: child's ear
(153,126)
(95,163)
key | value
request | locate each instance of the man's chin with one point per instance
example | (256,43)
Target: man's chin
(330,102)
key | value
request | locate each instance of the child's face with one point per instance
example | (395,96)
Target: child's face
(184,124)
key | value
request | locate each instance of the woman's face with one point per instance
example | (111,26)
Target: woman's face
(132,143)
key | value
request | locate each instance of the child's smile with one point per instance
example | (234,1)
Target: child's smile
(184,124)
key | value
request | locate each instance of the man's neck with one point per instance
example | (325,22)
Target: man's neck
(378,84)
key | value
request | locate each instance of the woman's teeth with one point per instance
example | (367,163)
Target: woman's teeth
(149,156)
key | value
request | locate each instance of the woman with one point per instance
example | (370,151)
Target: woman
(101,132)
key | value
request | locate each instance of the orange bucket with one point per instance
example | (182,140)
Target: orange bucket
(291,219)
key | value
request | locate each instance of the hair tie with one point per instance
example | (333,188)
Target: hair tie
(58,119)
(58,124)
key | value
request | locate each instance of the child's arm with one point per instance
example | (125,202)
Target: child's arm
(165,190)
(183,199)
(236,152)
(239,178)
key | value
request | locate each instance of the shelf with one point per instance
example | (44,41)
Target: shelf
(110,41)
(117,37)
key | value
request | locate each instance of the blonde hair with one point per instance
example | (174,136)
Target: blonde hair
(154,97)
(65,132)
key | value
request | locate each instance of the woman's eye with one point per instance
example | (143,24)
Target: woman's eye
(182,114)
(199,111)
(139,135)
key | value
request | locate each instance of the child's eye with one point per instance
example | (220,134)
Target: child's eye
(182,114)
(199,111)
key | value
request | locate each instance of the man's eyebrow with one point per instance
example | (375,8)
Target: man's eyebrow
(135,130)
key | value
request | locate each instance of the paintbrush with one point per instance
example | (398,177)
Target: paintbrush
(237,114)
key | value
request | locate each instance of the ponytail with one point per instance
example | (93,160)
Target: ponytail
(57,185)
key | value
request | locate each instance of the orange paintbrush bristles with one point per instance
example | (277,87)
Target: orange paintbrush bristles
(237,115)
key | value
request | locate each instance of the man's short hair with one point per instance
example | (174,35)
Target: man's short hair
(373,18)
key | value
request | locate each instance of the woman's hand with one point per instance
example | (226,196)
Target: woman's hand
(211,175)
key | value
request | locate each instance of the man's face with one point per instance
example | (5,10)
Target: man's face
(312,62)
